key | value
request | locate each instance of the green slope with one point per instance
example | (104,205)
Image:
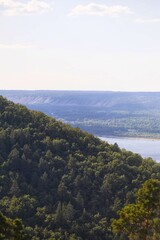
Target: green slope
(62,182)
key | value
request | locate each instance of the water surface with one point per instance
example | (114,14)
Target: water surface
(145,147)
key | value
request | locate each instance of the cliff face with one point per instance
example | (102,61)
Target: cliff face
(118,100)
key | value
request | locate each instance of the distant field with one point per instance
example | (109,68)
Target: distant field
(128,114)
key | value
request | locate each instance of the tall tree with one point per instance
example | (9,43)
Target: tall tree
(142,219)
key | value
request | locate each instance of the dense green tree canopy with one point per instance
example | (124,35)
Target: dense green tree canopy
(11,229)
(63,183)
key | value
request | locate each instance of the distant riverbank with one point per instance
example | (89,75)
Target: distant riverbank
(131,137)
(146,147)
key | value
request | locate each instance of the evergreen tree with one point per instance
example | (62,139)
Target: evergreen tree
(142,219)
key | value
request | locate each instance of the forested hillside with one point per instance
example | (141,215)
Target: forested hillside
(63,183)
(129,114)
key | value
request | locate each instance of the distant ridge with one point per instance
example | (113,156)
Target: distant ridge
(129,114)
(88,98)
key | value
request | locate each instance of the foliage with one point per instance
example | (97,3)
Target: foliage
(142,219)
(62,182)
(11,229)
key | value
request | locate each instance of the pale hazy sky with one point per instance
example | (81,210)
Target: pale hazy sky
(80,44)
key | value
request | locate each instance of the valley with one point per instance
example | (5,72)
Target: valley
(120,114)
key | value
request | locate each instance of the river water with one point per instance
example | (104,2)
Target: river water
(145,147)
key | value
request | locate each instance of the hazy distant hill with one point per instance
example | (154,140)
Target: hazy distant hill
(101,113)
(117,100)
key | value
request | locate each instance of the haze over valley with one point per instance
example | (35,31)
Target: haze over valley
(122,114)
(125,118)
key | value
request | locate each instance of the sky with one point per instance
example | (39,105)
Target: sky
(108,45)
